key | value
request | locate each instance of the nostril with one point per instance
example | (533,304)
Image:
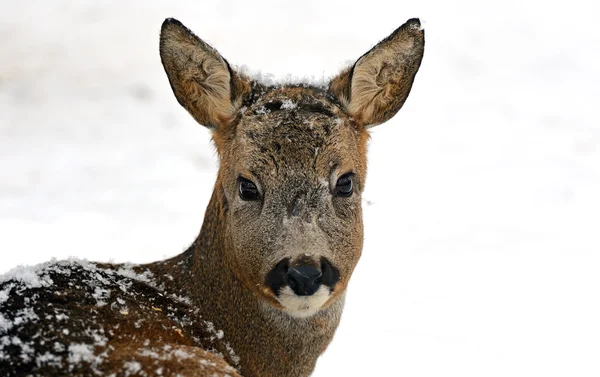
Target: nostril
(331,275)
(304,280)
(277,277)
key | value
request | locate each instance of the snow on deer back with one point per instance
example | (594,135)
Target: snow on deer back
(80,318)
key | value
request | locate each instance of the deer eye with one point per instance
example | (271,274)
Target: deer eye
(344,186)
(247,189)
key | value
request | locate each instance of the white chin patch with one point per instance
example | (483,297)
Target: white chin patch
(303,306)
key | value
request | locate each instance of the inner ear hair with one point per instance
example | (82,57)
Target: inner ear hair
(201,79)
(377,85)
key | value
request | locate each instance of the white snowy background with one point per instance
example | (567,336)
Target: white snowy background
(482,209)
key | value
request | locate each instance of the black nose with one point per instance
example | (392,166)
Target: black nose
(304,279)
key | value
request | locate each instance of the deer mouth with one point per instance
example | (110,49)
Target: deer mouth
(302,286)
(303,306)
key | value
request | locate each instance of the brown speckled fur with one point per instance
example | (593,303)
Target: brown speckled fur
(294,141)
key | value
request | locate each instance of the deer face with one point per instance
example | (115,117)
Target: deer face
(293,175)
(292,161)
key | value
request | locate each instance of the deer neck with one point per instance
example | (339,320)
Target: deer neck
(268,341)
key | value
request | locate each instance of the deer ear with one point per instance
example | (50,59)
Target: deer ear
(202,80)
(376,86)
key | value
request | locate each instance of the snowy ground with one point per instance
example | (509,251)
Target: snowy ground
(482,242)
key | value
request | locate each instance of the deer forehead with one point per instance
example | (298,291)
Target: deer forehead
(295,132)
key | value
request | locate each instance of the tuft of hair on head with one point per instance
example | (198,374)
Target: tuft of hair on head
(270,80)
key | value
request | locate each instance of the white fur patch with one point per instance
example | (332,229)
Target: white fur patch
(269,79)
(303,306)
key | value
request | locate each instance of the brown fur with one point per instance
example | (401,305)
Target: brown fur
(377,86)
(200,77)
(294,142)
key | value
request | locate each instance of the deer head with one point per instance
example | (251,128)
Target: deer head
(292,161)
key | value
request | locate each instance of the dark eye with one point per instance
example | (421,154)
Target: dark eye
(343,187)
(247,189)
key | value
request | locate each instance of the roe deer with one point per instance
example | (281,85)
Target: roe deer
(260,292)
